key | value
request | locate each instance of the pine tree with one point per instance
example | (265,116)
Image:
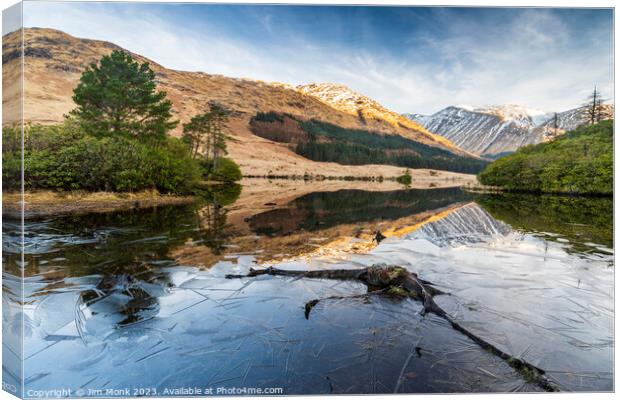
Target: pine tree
(197,133)
(220,116)
(206,131)
(119,96)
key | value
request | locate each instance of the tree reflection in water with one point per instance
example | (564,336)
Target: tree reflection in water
(212,222)
(212,216)
(128,292)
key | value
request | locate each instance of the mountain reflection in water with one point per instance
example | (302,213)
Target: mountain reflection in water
(321,210)
(138,298)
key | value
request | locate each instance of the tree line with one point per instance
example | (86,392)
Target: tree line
(579,162)
(321,141)
(116,138)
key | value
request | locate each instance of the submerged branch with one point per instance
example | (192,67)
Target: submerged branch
(396,281)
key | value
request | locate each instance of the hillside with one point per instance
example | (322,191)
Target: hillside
(54,61)
(370,113)
(493,130)
(321,141)
(578,162)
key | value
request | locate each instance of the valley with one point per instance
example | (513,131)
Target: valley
(54,61)
(499,130)
(169,228)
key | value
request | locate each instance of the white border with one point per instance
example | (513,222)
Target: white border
(481,3)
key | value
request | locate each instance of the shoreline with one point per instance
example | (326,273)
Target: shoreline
(45,203)
(48,203)
(484,189)
(39,204)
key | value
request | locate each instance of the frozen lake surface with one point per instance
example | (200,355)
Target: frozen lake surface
(138,300)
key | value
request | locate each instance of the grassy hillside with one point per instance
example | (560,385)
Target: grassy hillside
(579,162)
(496,156)
(322,141)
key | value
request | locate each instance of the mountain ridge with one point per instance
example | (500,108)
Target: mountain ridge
(368,110)
(54,61)
(498,129)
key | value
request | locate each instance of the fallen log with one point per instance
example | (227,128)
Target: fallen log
(395,281)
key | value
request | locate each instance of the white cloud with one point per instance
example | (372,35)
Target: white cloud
(527,60)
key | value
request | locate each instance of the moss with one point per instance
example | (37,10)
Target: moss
(399,291)
(528,373)
(397,273)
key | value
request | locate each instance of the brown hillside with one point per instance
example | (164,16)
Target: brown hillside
(372,114)
(55,60)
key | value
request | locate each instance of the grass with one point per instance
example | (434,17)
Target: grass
(47,202)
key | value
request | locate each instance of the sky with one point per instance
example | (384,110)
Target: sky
(410,59)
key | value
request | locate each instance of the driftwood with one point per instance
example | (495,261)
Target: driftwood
(395,281)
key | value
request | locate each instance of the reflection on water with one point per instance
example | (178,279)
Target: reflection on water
(137,298)
(321,210)
(584,222)
(469,224)
(535,296)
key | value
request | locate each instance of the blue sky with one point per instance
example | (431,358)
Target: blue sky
(409,59)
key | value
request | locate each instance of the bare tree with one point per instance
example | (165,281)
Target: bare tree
(594,106)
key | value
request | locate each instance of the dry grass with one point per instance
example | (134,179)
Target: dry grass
(42,203)
(49,83)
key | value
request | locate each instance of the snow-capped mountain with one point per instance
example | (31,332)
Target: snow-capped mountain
(492,130)
(370,111)
(341,96)
(568,120)
(483,131)
(521,116)
(419,118)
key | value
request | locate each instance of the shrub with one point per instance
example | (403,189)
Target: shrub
(175,170)
(226,171)
(581,161)
(61,158)
(11,171)
(405,178)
